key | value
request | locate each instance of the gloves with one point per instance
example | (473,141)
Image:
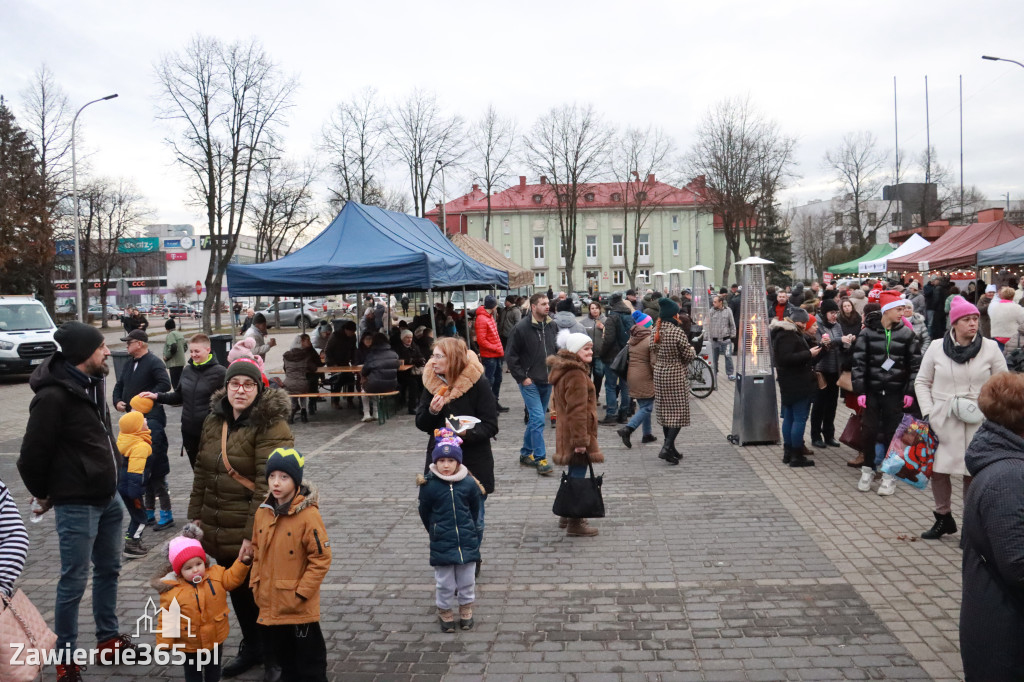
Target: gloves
(908,402)
(131,486)
(862,401)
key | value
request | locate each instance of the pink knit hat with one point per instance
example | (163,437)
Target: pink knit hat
(181,550)
(961,307)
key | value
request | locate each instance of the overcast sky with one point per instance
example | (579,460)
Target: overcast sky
(821,69)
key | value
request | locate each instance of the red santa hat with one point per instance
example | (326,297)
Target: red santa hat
(890,299)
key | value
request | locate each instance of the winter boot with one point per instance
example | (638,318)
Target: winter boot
(134,549)
(563,521)
(867,475)
(624,434)
(69,673)
(799,459)
(447,620)
(623,417)
(670,443)
(466,616)
(649,438)
(579,528)
(787,454)
(609,419)
(944,525)
(248,656)
(150,517)
(304,416)
(166,520)
(857,462)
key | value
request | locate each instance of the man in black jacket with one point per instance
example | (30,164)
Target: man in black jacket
(616,335)
(886,357)
(203,376)
(69,461)
(145,372)
(530,344)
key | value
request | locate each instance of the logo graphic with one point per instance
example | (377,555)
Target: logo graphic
(169,621)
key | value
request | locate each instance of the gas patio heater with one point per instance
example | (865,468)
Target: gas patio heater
(755,412)
(701,300)
(675,281)
(659,282)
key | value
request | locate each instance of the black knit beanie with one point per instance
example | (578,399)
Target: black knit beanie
(78,341)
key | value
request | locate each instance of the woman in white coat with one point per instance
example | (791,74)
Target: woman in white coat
(956,366)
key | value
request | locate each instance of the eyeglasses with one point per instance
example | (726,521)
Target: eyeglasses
(247,386)
(437,357)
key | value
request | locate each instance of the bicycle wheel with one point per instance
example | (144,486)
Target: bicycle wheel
(702,379)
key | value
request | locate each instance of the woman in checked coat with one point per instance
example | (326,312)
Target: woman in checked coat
(671,354)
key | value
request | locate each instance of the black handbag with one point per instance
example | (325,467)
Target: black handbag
(579,498)
(620,365)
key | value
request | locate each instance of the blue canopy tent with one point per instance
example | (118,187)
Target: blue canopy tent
(367,248)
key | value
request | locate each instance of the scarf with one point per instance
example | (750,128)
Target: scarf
(961,354)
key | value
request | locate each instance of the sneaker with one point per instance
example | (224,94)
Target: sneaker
(70,673)
(166,520)
(528,461)
(818,443)
(649,438)
(888,485)
(544,468)
(367,418)
(833,443)
(134,549)
(867,475)
(118,643)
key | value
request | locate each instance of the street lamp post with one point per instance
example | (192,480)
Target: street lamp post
(74,194)
(444,198)
(1002,59)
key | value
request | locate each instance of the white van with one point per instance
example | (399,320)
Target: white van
(26,334)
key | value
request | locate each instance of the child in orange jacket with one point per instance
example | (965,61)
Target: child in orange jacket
(197,589)
(291,555)
(135,442)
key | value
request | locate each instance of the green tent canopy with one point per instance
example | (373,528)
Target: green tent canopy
(877,252)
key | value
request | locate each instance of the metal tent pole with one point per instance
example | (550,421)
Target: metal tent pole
(465,315)
(430,310)
(302,314)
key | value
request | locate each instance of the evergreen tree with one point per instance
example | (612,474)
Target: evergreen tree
(21,197)
(777,247)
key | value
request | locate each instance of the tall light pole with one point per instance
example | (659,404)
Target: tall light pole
(74,194)
(444,217)
(1002,59)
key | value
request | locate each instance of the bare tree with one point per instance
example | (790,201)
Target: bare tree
(48,124)
(426,141)
(226,101)
(640,154)
(113,210)
(813,238)
(355,141)
(859,169)
(282,205)
(494,141)
(183,291)
(570,145)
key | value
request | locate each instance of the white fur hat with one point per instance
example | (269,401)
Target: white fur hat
(576,342)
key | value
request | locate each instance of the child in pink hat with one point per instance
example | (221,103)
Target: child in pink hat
(197,588)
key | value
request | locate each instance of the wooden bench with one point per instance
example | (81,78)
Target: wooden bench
(386,406)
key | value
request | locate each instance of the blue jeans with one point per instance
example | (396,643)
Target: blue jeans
(86,533)
(597,369)
(794,422)
(492,370)
(536,397)
(612,385)
(721,348)
(644,408)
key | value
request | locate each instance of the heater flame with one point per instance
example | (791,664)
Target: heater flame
(753,341)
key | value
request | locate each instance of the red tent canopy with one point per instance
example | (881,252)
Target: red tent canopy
(959,247)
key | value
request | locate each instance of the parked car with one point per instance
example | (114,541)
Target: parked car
(181,310)
(471,302)
(291,314)
(577,303)
(26,334)
(113,312)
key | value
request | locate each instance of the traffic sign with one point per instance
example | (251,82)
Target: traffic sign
(199,288)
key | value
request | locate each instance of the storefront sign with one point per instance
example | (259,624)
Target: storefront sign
(222,240)
(172,243)
(138,245)
(176,256)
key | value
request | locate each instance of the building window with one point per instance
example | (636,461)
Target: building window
(675,247)
(505,227)
(591,249)
(644,246)
(837,219)
(562,251)
(563,198)
(589,196)
(540,278)
(872,219)
(618,277)
(616,197)
(839,237)
(508,250)
(563,278)
(897,218)
(641,196)
(675,222)
(645,273)
(537,198)
(616,246)
(538,249)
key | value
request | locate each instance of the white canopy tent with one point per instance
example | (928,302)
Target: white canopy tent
(915,243)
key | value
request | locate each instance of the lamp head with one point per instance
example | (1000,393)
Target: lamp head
(991,59)
(109,97)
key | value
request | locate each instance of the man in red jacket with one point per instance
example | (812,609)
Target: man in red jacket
(491,351)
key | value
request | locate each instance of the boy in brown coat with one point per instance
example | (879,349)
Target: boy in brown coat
(575,400)
(291,555)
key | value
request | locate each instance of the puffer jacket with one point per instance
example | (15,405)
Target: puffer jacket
(793,362)
(299,363)
(649,304)
(409,355)
(469,395)
(291,554)
(574,400)
(869,352)
(509,317)
(224,506)
(78,462)
(487,338)
(380,369)
(992,607)
(528,349)
(640,376)
(616,330)
(204,605)
(449,507)
(566,320)
(830,359)
(197,384)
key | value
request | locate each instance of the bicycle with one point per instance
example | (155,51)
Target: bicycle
(702,379)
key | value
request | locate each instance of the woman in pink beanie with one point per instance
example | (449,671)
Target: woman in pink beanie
(200,587)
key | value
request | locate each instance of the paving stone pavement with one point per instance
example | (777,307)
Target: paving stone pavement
(726,567)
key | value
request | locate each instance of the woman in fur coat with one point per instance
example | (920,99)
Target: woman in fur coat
(574,398)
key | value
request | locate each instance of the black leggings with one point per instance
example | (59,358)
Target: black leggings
(823,414)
